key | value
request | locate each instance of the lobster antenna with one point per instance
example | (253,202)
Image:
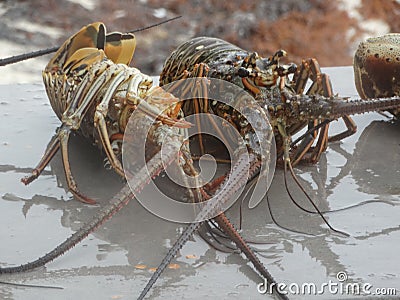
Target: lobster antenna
(309,199)
(155,25)
(25,56)
(17,58)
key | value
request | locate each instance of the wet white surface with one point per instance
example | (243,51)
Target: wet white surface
(36,218)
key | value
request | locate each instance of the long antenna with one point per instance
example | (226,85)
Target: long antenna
(154,25)
(25,56)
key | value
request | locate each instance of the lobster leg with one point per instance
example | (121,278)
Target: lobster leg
(321,85)
(102,111)
(60,139)
(71,121)
(72,186)
(92,87)
(200,71)
(351,129)
(100,122)
(51,150)
(197,92)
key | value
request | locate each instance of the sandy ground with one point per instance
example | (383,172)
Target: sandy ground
(115,262)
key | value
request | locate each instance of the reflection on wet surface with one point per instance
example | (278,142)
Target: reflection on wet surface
(361,173)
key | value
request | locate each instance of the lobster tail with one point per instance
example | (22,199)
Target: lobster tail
(120,47)
(90,36)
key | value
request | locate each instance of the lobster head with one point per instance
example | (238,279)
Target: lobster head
(257,72)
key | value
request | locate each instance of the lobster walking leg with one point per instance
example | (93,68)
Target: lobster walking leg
(100,122)
(321,85)
(71,121)
(199,102)
(351,129)
(64,134)
(59,140)
(199,72)
(51,150)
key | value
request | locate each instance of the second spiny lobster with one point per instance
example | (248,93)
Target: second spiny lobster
(289,109)
(377,68)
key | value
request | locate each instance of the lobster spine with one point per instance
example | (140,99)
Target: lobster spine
(239,178)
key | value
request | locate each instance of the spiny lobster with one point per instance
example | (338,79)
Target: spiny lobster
(267,81)
(94,92)
(377,68)
(288,109)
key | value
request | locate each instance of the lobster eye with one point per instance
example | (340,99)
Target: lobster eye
(286,69)
(242,72)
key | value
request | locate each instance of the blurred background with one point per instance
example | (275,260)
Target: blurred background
(329,30)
